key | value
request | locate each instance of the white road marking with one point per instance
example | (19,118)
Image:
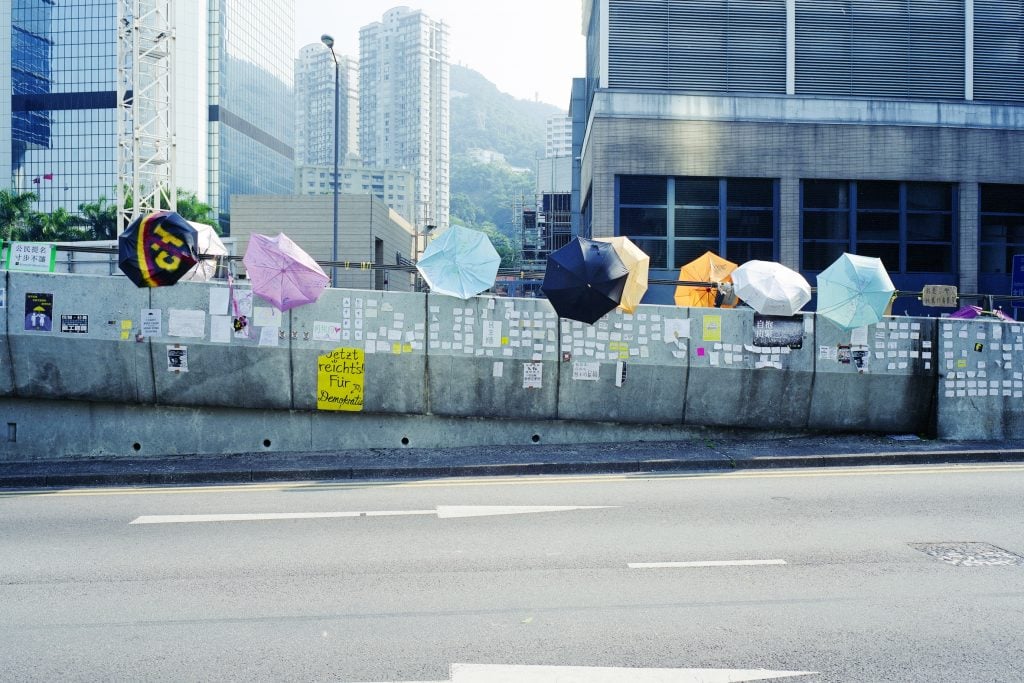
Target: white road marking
(498,673)
(705,563)
(442,512)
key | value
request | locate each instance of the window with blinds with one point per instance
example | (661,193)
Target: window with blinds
(999,50)
(698,45)
(880,48)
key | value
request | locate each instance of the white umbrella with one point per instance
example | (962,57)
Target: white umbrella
(771,288)
(209,244)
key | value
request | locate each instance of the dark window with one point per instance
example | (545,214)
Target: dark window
(1002,226)
(676,219)
(910,226)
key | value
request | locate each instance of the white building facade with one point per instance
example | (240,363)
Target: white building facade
(392,186)
(314,106)
(404,105)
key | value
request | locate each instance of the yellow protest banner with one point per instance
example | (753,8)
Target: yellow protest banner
(339,380)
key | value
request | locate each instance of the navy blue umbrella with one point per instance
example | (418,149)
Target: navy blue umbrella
(584,280)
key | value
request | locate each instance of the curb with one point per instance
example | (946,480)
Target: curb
(51,479)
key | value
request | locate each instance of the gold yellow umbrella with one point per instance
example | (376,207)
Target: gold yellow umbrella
(637,263)
(707,268)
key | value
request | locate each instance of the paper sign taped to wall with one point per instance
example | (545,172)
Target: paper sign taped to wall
(533,375)
(186,323)
(340,379)
(712,328)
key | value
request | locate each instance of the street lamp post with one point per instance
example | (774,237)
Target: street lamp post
(329,42)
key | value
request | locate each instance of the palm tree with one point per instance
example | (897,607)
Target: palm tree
(15,209)
(100,217)
(59,226)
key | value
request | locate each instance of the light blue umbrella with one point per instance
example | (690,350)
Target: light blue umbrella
(854,291)
(459,262)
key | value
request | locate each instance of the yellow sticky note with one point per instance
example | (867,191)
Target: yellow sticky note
(406,348)
(504,341)
(126,324)
(961,362)
(396,348)
(125,334)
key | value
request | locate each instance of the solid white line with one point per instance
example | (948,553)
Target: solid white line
(705,563)
(179,519)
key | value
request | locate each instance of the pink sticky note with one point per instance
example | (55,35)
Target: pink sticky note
(700,352)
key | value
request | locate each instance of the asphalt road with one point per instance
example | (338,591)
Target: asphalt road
(838,586)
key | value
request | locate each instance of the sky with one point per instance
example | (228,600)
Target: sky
(531,49)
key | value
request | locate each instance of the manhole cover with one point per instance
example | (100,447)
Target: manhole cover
(970,554)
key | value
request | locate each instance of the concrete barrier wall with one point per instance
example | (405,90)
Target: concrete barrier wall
(100,339)
(882,375)
(626,368)
(74,338)
(732,382)
(981,380)
(491,356)
(225,366)
(390,329)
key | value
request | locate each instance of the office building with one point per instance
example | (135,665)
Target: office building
(795,130)
(314,107)
(558,137)
(404,105)
(368,232)
(233,99)
(393,187)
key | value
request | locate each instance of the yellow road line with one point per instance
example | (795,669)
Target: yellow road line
(528,480)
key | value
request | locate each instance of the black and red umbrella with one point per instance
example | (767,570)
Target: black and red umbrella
(157,249)
(584,280)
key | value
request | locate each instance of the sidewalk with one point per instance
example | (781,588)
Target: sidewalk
(713,453)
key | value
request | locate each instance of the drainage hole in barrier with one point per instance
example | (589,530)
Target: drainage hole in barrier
(405,441)
(136,446)
(535,438)
(266,443)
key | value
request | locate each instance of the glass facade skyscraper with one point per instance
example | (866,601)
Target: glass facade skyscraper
(252,106)
(234,99)
(63,97)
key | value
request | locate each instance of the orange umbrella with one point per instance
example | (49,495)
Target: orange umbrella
(707,268)
(637,263)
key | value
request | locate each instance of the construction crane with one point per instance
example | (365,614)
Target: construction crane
(145,116)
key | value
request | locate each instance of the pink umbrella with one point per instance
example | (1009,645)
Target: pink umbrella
(282,273)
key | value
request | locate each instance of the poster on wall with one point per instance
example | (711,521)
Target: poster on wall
(38,311)
(340,377)
(778,330)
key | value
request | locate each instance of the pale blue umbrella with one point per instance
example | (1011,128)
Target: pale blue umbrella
(459,262)
(854,291)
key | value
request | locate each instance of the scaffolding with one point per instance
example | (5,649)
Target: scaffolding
(145,109)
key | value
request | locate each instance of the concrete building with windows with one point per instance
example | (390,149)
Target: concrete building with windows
(368,232)
(795,130)
(314,107)
(391,186)
(558,137)
(404,105)
(233,99)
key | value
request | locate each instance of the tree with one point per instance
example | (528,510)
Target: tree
(100,217)
(15,208)
(58,226)
(191,209)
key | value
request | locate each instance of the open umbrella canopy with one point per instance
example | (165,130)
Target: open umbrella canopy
(282,273)
(971,312)
(854,291)
(584,280)
(771,288)
(157,249)
(210,244)
(638,264)
(459,262)
(707,268)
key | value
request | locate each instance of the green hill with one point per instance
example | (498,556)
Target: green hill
(484,118)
